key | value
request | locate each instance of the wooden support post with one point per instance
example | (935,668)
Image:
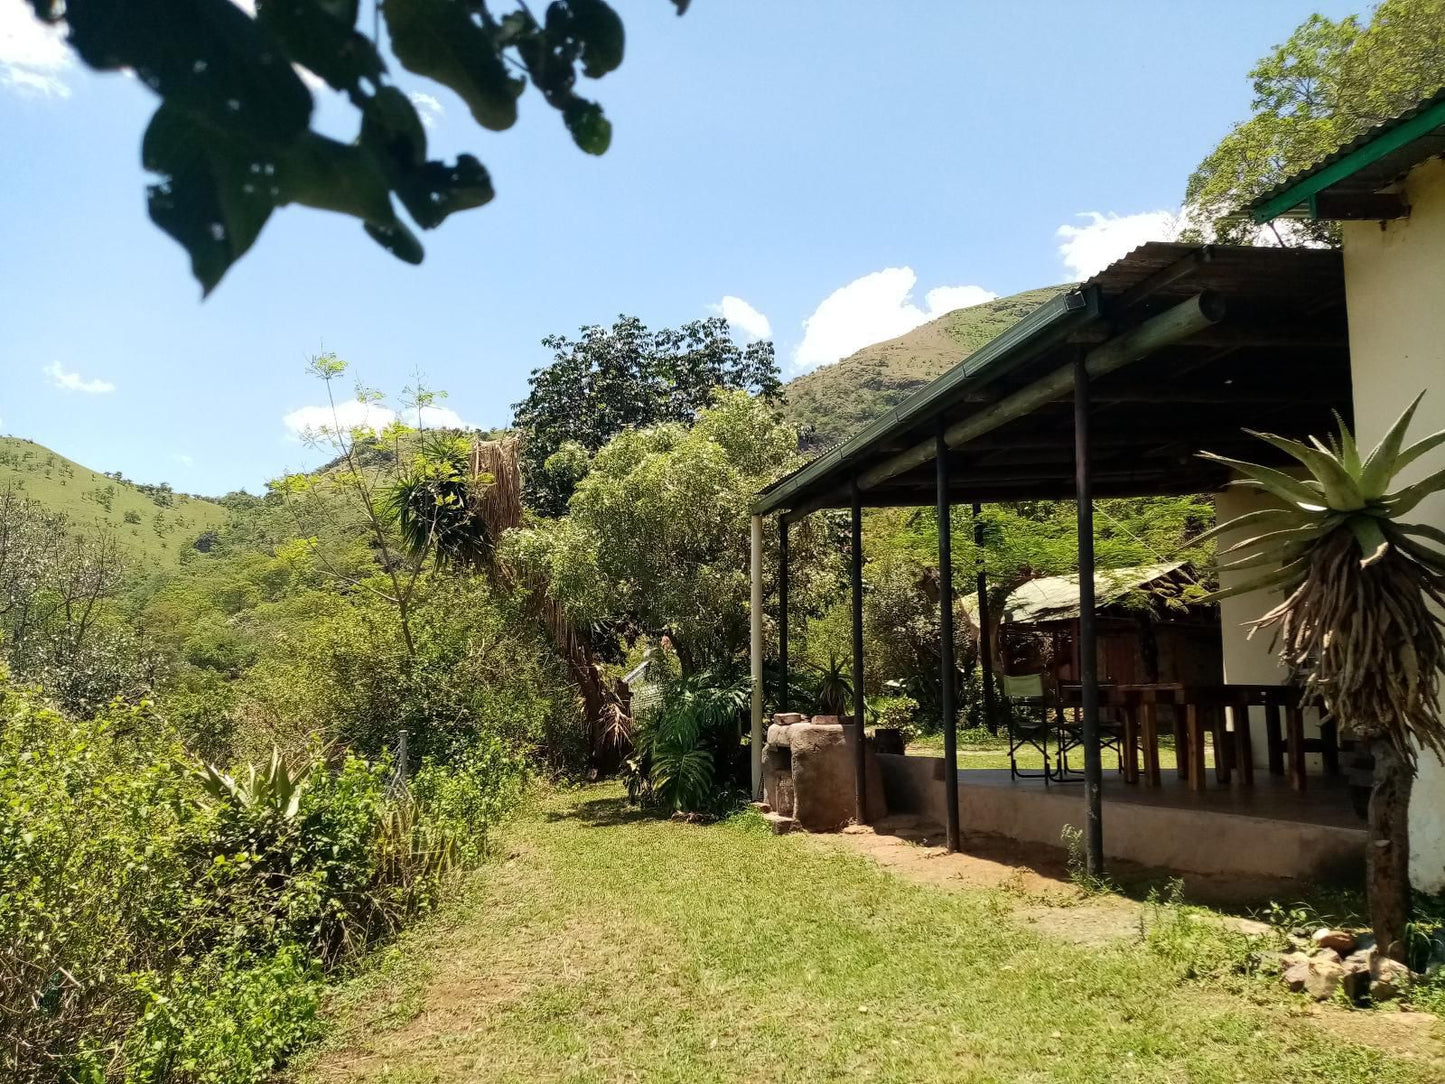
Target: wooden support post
(1243,742)
(1194,727)
(1223,751)
(1131,742)
(1149,734)
(947,671)
(985,637)
(1295,743)
(782,614)
(756,647)
(860,760)
(1273,736)
(1088,635)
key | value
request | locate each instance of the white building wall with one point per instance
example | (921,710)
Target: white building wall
(1395,288)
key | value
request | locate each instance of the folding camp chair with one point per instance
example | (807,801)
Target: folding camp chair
(1071,736)
(1031,719)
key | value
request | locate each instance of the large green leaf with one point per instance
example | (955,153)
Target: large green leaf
(1419,448)
(1277,482)
(214,194)
(434,190)
(1406,499)
(1279,517)
(597,27)
(439,39)
(321,36)
(203,56)
(1380,465)
(1286,575)
(1340,490)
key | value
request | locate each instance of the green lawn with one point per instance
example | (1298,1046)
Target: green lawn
(605,947)
(994,754)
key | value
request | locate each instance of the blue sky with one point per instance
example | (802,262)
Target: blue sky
(839,170)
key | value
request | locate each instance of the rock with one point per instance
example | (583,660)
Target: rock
(1328,955)
(778,779)
(822,777)
(780,824)
(760,807)
(1388,978)
(787,718)
(1356,979)
(1323,978)
(1340,941)
(778,734)
(1295,975)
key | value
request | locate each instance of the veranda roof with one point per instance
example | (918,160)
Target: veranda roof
(1350,183)
(1196,343)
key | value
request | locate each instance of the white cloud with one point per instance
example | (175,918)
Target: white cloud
(185,460)
(352,414)
(875,307)
(33,55)
(1087,250)
(744,317)
(75,382)
(428,108)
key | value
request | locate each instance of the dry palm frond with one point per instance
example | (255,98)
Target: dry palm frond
(1357,618)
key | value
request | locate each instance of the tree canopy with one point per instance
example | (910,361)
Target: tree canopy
(1328,83)
(233,139)
(607,380)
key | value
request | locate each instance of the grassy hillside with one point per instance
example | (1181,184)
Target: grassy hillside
(838,400)
(154,527)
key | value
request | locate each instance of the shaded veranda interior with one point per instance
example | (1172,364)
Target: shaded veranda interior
(1109,390)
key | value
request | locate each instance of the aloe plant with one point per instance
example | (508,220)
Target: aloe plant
(1357,620)
(277,787)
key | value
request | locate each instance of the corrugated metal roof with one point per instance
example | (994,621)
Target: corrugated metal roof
(1056,598)
(1370,175)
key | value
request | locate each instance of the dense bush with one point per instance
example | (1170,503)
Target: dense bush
(688,754)
(163,922)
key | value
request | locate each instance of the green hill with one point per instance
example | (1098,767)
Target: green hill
(837,400)
(153,524)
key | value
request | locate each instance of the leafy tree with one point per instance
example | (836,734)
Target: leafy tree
(656,540)
(233,139)
(1328,83)
(608,380)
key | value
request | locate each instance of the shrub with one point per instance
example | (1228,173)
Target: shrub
(160,921)
(688,754)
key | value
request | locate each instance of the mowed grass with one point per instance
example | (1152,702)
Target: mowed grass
(152,535)
(976,753)
(606,947)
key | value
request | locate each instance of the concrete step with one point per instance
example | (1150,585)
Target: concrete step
(780,824)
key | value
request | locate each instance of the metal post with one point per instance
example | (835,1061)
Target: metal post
(782,614)
(1088,639)
(756,647)
(860,763)
(985,637)
(947,671)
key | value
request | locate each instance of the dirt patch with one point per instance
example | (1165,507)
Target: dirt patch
(1414,1035)
(1049,901)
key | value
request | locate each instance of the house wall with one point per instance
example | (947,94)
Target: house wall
(1395,290)
(1251,660)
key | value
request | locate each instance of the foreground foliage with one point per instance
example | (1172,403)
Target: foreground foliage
(163,921)
(232,139)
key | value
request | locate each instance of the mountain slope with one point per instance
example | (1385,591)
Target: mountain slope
(154,526)
(837,400)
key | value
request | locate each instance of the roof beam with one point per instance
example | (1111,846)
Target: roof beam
(1169,326)
(1359,206)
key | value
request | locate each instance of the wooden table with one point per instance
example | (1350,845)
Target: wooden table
(1198,710)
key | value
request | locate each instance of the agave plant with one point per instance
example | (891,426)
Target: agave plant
(277,787)
(835,688)
(1357,621)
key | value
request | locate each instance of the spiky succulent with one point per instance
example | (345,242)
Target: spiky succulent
(1358,581)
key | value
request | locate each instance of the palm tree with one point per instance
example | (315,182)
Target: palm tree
(1357,620)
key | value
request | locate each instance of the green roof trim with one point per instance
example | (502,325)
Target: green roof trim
(1370,147)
